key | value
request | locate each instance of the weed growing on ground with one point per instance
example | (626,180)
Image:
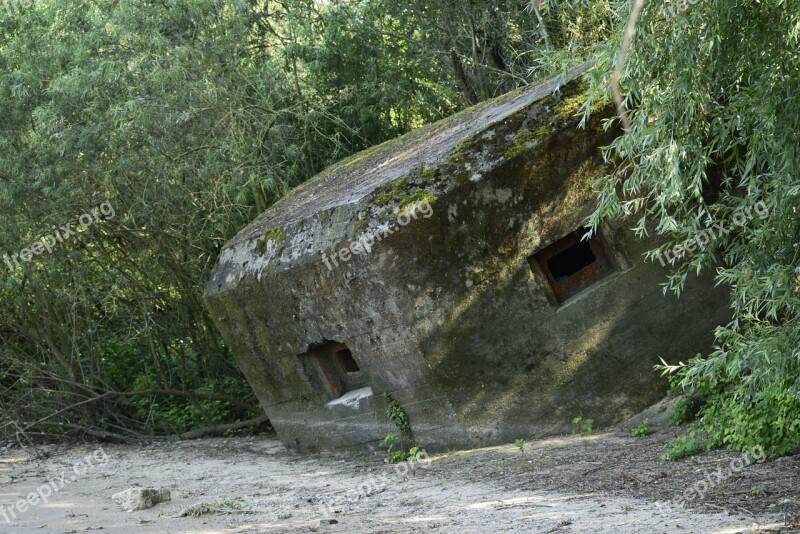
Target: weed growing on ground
(642,429)
(582,426)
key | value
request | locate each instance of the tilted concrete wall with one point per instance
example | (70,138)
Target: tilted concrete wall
(444,314)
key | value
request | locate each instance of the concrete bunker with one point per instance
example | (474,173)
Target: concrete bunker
(463,295)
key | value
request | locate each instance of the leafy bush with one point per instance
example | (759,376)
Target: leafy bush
(689,444)
(393,456)
(768,417)
(642,429)
(582,426)
(687,408)
(398,416)
(738,416)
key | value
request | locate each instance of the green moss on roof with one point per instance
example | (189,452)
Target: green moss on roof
(420,195)
(395,193)
(525,140)
(426,154)
(274,235)
(572,102)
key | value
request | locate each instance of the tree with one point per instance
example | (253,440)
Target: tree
(712,156)
(152,109)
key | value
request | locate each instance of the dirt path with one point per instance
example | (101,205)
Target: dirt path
(600,484)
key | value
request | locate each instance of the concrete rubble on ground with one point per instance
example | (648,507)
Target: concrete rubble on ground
(134,499)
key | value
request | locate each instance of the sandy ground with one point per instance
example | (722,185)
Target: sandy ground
(252,484)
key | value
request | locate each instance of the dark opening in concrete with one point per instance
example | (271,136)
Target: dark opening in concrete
(347,362)
(572,264)
(571,260)
(334,366)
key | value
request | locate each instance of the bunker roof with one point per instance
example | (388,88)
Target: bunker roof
(350,180)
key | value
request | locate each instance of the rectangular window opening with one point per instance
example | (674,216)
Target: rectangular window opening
(333,364)
(571,260)
(572,264)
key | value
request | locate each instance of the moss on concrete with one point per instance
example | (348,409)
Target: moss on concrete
(427,174)
(396,192)
(360,225)
(527,140)
(274,235)
(420,195)
(404,193)
(572,101)
(464,160)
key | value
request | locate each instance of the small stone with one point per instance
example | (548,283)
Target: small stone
(324,522)
(134,499)
(284,515)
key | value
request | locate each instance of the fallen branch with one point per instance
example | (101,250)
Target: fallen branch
(192,434)
(103,434)
(221,429)
(145,392)
(196,396)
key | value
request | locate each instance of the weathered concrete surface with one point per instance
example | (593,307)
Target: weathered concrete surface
(445,313)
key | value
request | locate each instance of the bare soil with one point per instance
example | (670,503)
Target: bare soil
(601,483)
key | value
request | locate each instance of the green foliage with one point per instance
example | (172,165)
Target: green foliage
(685,411)
(769,418)
(682,412)
(713,138)
(398,416)
(415,454)
(394,456)
(175,415)
(642,429)
(582,426)
(520,444)
(689,444)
